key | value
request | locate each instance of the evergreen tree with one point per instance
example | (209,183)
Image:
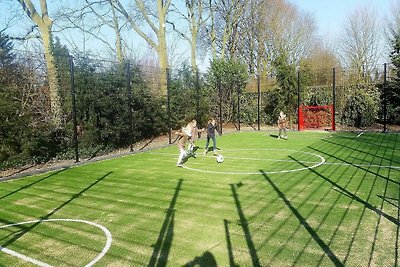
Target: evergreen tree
(6,54)
(287,82)
(393,90)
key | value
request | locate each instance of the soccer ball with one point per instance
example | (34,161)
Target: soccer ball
(220,158)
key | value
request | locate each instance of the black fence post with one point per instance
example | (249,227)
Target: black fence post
(385,97)
(168,107)
(238,107)
(220,104)
(73,95)
(197,96)
(334,99)
(298,100)
(129,89)
(258,100)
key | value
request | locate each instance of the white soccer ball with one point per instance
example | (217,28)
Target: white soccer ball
(220,158)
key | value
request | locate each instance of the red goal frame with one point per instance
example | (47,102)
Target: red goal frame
(316,118)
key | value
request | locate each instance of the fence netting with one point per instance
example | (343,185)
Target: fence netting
(95,106)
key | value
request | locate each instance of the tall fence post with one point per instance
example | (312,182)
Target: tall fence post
(168,107)
(129,89)
(298,100)
(258,100)
(197,96)
(238,107)
(333,99)
(220,104)
(73,96)
(385,97)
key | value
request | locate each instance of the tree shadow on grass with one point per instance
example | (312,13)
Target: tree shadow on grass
(162,247)
(25,229)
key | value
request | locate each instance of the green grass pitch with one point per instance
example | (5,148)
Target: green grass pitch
(316,199)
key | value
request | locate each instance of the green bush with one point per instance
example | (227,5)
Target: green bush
(360,110)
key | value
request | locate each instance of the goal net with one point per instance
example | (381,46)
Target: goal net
(316,118)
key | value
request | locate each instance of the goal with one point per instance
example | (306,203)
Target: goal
(316,118)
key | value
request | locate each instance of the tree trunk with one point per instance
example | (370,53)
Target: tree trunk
(54,86)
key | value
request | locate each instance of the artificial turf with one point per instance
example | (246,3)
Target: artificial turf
(316,199)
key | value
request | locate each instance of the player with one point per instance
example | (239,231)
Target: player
(186,135)
(282,124)
(211,129)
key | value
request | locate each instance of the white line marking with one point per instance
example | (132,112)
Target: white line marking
(23,257)
(42,264)
(289,161)
(267,172)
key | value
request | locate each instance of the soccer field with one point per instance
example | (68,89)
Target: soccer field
(316,199)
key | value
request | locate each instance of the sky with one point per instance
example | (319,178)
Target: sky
(331,15)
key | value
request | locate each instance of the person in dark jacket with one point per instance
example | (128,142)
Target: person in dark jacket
(211,129)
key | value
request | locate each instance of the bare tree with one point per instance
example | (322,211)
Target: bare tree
(44,23)
(224,26)
(194,18)
(359,48)
(289,31)
(92,18)
(10,18)
(154,14)
(252,38)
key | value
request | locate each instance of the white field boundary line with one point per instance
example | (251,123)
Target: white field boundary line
(42,264)
(291,161)
(23,257)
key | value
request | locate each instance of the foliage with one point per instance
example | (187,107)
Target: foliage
(285,96)
(361,108)
(25,136)
(62,58)
(6,54)
(393,89)
(317,96)
(226,78)
(184,96)
(103,106)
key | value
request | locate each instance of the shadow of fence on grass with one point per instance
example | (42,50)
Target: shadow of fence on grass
(355,165)
(229,245)
(31,184)
(367,205)
(325,247)
(162,247)
(23,229)
(245,227)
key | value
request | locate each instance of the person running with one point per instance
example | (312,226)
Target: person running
(282,124)
(186,135)
(211,129)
